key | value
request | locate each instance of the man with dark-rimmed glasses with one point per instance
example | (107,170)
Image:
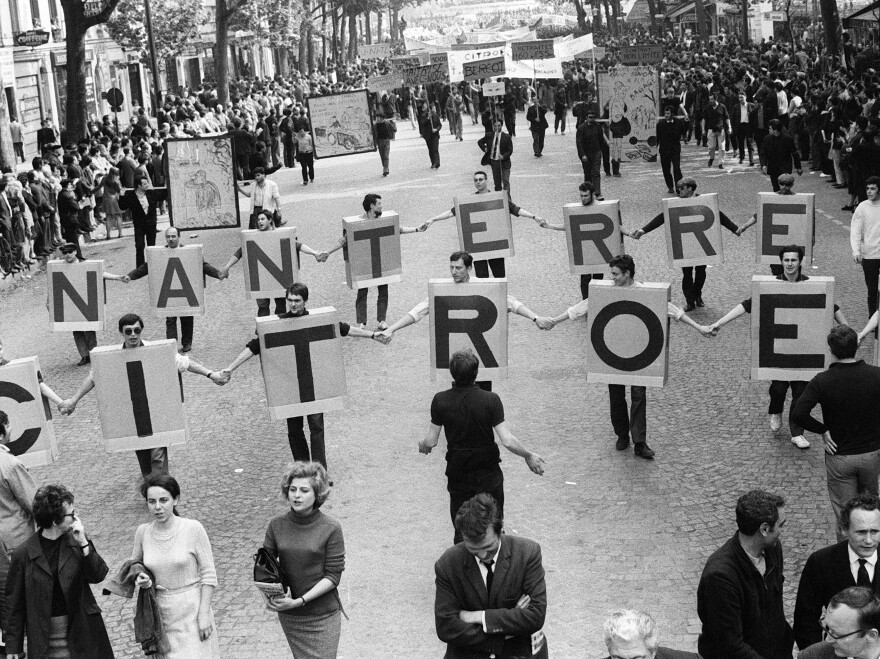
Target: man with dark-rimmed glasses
(850,627)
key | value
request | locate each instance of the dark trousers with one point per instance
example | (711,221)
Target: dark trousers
(153,460)
(510,122)
(591,171)
(433,143)
(264,303)
(744,140)
(71,235)
(242,168)
(559,120)
(538,141)
(606,158)
(143,232)
(778,391)
(299,447)
(692,282)
(585,284)
(384,147)
(186,329)
(871,268)
(698,127)
(85,342)
(501,174)
(482,267)
(360,304)
(19,150)
(307,162)
(458,497)
(289,154)
(670,163)
(628,422)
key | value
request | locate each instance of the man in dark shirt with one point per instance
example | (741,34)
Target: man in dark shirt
(471,417)
(848,393)
(589,139)
(669,145)
(717,119)
(778,151)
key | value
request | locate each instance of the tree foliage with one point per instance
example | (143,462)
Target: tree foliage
(276,22)
(175,24)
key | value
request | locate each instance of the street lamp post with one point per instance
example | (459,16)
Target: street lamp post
(154,65)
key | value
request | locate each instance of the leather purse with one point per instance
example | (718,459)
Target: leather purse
(267,569)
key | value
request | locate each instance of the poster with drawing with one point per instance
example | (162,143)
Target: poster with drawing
(201,183)
(341,124)
(630,95)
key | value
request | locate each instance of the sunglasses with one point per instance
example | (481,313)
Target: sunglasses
(132,331)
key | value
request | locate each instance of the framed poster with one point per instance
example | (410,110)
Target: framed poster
(201,183)
(341,124)
(630,94)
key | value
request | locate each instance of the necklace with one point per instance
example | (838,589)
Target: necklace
(164,537)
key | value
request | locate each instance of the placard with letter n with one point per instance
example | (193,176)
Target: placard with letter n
(270,262)
(177,281)
(76,295)
(33,438)
(373,250)
(785,220)
(483,221)
(140,402)
(303,369)
(693,231)
(593,236)
(471,315)
(628,328)
(790,325)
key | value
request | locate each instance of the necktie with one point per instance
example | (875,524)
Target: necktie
(490,574)
(495,146)
(862,578)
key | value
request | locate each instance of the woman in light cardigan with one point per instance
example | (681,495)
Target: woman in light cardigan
(311,552)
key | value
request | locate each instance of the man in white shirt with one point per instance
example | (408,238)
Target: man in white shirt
(264,197)
(864,237)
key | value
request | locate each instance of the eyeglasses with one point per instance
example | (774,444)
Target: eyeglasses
(827,633)
(129,331)
(71,515)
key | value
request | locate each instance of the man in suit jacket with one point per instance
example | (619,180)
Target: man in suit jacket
(536,115)
(497,149)
(851,627)
(744,121)
(829,570)
(141,203)
(491,598)
(778,152)
(634,634)
(669,146)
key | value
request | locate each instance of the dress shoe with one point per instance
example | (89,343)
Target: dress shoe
(187,347)
(600,197)
(85,360)
(384,173)
(644,451)
(848,207)
(721,166)
(670,191)
(690,306)
(699,301)
(622,443)
(741,161)
(775,422)
(800,441)
(711,160)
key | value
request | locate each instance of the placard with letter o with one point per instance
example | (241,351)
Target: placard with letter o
(693,231)
(790,325)
(470,315)
(373,249)
(270,263)
(483,222)
(593,236)
(303,369)
(785,220)
(139,396)
(33,439)
(177,281)
(76,295)
(628,328)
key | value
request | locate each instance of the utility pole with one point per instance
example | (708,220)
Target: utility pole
(154,65)
(745,22)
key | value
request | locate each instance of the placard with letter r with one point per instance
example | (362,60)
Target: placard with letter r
(593,236)
(693,231)
(484,229)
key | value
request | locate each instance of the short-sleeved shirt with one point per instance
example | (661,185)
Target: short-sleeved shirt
(254,344)
(468,416)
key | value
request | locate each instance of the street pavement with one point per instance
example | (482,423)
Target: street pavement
(616,531)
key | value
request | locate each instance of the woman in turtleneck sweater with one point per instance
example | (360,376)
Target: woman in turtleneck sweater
(311,551)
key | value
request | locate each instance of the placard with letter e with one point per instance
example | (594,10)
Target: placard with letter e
(373,248)
(303,370)
(270,262)
(785,220)
(33,440)
(628,328)
(76,295)
(790,325)
(471,315)
(483,221)
(139,396)
(593,236)
(177,281)
(693,231)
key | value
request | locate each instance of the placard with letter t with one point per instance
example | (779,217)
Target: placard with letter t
(76,296)
(593,236)
(693,231)
(373,250)
(177,281)
(483,221)
(785,220)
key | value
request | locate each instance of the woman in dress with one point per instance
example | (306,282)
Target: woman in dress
(178,553)
(311,551)
(113,214)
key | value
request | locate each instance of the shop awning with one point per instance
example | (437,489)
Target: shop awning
(869,14)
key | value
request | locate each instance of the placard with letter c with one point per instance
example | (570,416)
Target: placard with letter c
(29,414)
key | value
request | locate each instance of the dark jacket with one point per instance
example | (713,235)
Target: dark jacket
(132,204)
(537,118)
(669,136)
(29,600)
(742,611)
(144,269)
(505,148)
(148,628)
(68,209)
(429,124)
(779,151)
(751,113)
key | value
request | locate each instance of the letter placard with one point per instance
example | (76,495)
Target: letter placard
(785,220)
(628,328)
(472,315)
(303,370)
(373,248)
(270,263)
(76,296)
(483,222)
(790,324)
(33,440)
(177,282)
(693,231)
(593,236)
(139,397)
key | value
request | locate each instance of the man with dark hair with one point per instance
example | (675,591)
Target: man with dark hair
(851,562)
(491,598)
(739,599)
(142,203)
(848,393)
(497,148)
(589,139)
(865,239)
(669,146)
(850,626)
(777,153)
(471,418)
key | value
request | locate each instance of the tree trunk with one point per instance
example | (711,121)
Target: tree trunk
(221,52)
(581,16)
(378,26)
(76,114)
(652,9)
(831,20)
(596,9)
(702,20)
(7,153)
(395,28)
(352,35)
(611,26)
(368,29)
(310,49)
(335,41)
(615,12)
(305,36)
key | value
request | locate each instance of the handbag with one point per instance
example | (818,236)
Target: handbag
(267,569)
